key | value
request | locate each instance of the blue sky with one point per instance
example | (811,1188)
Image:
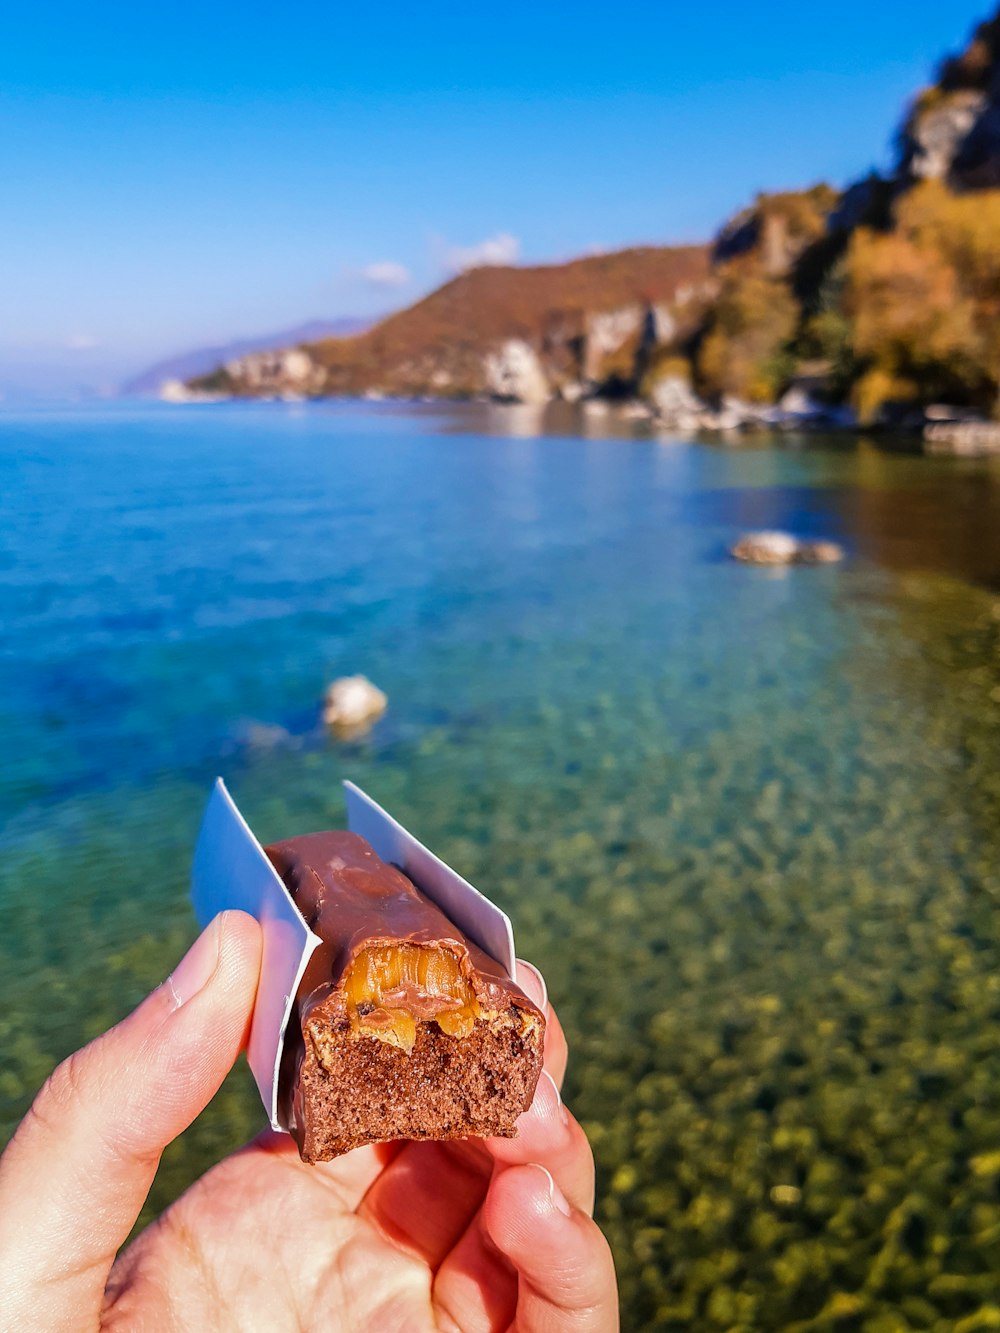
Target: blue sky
(181,175)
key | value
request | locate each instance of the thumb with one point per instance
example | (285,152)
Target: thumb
(565,1273)
(78,1170)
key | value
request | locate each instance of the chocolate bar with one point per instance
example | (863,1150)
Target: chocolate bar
(403,1028)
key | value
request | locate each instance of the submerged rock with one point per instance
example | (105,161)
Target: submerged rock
(781,548)
(352,704)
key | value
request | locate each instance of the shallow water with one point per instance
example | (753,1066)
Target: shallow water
(746,821)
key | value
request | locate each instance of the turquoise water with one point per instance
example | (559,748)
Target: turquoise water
(746,821)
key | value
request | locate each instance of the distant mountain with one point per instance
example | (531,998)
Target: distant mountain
(187,365)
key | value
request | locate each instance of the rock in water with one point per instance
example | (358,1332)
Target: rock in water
(766,548)
(352,704)
(781,548)
(820,553)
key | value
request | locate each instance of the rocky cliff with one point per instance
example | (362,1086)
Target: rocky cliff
(952,133)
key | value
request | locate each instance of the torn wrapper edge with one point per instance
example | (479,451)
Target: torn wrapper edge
(231,871)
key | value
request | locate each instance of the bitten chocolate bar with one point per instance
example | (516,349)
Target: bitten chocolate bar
(403,1027)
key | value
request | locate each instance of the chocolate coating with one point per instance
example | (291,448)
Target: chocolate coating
(351,898)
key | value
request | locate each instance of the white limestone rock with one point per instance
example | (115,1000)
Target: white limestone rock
(938,134)
(664,325)
(797,404)
(289,370)
(606,332)
(677,405)
(352,704)
(176,391)
(635,410)
(296,366)
(514,373)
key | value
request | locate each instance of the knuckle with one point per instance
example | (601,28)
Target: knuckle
(73,1085)
(66,1085)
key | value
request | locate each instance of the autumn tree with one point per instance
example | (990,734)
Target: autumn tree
(744,351)
(913,330)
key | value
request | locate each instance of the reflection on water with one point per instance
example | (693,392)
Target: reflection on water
(747,825)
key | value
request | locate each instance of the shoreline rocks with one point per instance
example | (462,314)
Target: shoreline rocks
(671,407)
(967,439)
(678,407)
(781,548)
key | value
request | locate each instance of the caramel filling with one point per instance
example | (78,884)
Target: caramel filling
(391,988)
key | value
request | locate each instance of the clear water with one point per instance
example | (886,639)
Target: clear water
(746,821)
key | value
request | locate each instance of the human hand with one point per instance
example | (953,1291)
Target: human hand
(462,1237)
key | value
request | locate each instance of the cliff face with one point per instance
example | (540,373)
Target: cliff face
(952,133)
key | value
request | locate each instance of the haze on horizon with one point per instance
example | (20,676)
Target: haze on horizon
(171,184)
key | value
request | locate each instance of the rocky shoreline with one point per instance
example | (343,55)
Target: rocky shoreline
(944,429)
(673,408)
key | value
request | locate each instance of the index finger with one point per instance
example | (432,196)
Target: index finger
(531,981)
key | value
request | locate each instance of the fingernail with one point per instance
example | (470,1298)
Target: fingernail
(198,965)
(536,988)
(561,1110)
(557,1200)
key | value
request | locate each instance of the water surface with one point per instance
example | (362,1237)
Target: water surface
(746,821)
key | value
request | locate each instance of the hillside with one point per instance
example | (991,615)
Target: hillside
(870,304)
(514,332)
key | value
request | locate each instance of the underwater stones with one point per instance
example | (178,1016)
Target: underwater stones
(352,704)
(263,736)
(781,548)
